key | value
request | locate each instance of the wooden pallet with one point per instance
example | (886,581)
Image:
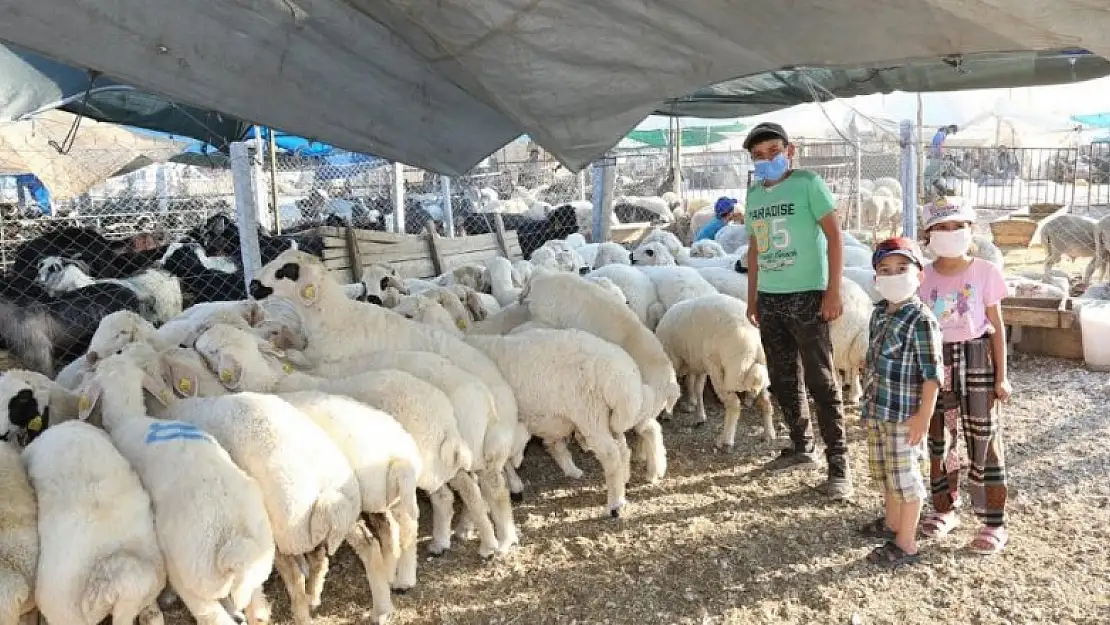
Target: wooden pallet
(1045,327)
(348,251)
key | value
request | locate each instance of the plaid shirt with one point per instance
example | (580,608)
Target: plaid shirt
(905,351)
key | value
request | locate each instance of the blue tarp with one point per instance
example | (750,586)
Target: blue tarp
(1097,120)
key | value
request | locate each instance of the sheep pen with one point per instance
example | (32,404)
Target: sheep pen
(715,541)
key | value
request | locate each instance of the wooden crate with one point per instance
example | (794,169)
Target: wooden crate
(1038,312)
(1013,232)
(1039,211)
(1043,326)
(348,251)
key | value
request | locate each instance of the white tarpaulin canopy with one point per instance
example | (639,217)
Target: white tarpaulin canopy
(97,151)
(443,83)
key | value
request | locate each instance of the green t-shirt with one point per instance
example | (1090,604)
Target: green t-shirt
(784,222)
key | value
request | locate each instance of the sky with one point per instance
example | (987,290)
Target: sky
(1051,105)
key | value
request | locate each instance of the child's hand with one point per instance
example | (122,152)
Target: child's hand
(919,427)
(1002,389)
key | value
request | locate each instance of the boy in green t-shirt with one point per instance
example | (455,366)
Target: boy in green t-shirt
(795,262)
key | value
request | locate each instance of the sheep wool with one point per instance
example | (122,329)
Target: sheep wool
(98,553)
(19,538)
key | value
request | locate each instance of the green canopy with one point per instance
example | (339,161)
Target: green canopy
(691,137)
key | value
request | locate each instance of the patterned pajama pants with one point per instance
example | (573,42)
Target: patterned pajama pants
(967,402)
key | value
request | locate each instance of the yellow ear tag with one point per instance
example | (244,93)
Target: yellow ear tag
(309,292)
(461,324)
(226,375)
(35,425)
(83,405)
(287,367)
(184,385)
(940,201)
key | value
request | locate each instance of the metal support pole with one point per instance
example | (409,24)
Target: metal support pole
(908,143)
(448,211)
(399,198)
(605,178)
(246,209)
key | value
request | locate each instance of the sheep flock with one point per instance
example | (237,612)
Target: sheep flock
(264,425)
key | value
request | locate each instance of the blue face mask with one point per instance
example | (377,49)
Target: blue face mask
(773,169)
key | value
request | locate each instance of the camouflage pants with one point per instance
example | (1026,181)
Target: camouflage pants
(799,348)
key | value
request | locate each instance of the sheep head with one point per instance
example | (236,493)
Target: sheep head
(298,277)
(128,374)
(24,405)
(116,331)
(653,254)
(234,354)
(376,279)
(428,309)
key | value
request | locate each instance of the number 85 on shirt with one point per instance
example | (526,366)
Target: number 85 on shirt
(771,232)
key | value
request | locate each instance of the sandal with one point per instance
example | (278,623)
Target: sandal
(877,529)
(891,555)
(989,540)
(939,525)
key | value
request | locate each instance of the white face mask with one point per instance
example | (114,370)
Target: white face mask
(950,243)
(898,288)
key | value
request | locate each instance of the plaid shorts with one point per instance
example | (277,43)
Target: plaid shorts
(900,468)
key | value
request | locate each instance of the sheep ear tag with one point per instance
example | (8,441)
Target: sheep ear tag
(185,386)
(35,425)
(308,294)
(226,375)
(287,367)
(461,324)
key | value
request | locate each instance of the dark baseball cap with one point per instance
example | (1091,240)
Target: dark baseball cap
(897,246)
(764,131)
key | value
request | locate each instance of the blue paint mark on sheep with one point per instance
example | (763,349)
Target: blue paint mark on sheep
(174,430)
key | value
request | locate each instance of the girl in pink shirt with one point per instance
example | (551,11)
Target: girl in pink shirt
(965,294)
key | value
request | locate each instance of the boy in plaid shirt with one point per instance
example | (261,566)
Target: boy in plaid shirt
(904,370)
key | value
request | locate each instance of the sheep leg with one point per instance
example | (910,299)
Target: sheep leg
(443,509)
(151,615)
(516,485)
(608,452)
(1089,271)
(317,573)
(1051,258)
(478,511)
(626,455)
(695,387)
(126,611)
(726,440)
(406,514)
(855,390)
(206,611)
(655,455)
(294,579)
(496,494)
(559,451)
(369,550)
(767,411)
(258,609)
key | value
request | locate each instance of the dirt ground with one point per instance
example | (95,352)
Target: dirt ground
(718,542)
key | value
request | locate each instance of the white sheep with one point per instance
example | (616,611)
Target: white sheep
(569,381)
(732,237)
(609,253)
(98,551)
(501,280)
(865,278)
(1033,288)
(668,239)
(675,284)
(655,254)
(386,462)
(424,411)
(557,259)
(726,281)
(1070,235)
(596,312)
(185,328)
(19,538)
(639,291)
(850,337)
(209,515)
(711,337)
(706,248)
(338,329)
(489,436)
(309,491)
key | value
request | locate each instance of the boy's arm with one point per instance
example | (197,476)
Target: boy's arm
(831,228)
(823,205)
(929,351)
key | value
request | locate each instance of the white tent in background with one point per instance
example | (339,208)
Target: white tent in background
(1013,126)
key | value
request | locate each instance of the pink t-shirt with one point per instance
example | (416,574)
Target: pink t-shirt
(960,302)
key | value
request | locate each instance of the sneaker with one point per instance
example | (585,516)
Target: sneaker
(839,485)
(790,460)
